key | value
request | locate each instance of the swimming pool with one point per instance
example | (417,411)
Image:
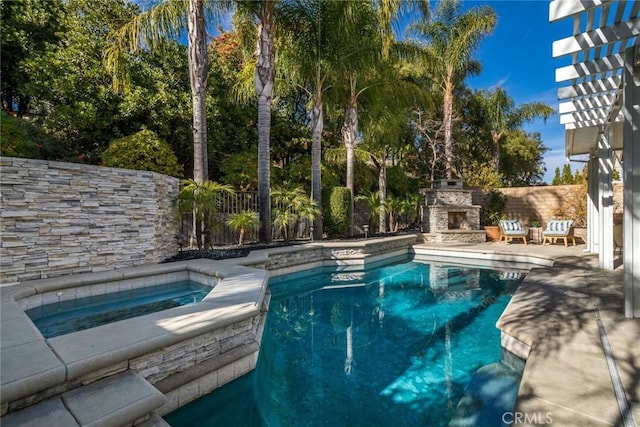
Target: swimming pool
(83,313)
(398,345)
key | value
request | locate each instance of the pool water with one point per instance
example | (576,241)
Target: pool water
(84,313)
(396,346)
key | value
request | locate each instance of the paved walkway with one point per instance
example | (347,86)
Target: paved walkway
(582,346)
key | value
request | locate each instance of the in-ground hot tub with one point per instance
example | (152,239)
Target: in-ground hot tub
(218,336)
(77,314)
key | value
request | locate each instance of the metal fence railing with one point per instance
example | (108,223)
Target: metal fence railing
(220,234)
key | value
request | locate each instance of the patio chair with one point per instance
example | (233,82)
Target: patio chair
(559,229)
(618,240)
(512,229)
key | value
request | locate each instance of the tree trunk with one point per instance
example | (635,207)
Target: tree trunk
(198,67)
(496,150)
(317,123)
(447,108)
(382,185)
(264,79)
(349,138)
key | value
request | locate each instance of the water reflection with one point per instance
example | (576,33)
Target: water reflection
(399,343)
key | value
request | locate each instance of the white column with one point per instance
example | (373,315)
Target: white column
(592,205)
(605,200)
(631,179)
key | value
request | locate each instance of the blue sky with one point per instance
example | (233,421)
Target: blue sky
(517,56)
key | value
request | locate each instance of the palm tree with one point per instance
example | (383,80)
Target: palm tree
(311,31)
(167,19)
(454,36)
(202,199)
(290,205)
(394,206)
(243,221)
(503,115)
(413,206)
(364,47)
(372,199)
(327,41)
(264,78)
(384,132)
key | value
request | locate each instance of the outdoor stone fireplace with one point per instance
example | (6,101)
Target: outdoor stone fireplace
(449,216)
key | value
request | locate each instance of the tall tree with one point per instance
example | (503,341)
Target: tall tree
(504,115)
(28,29)
(366,43)
(71,94)
(310,31)
(261,16)
(385,128)
(454,36)
(522,162)
(264,84)
(168,19)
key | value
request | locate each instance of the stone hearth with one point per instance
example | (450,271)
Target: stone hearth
(449,216)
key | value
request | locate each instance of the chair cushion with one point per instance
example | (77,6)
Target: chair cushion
(557,227)
(511,225)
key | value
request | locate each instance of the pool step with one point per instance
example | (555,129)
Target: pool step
(154,420)
(490,396)
(115,401)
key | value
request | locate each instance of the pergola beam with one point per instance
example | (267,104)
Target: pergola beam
(610,84)
(590,117)
(583,69)
(563,9)
(596,38)
(591,103)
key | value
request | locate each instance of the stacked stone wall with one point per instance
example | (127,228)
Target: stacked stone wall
(62,218)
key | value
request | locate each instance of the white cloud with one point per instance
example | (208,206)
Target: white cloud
(501,83)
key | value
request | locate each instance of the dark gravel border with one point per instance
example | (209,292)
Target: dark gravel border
(235,251)
(225,252)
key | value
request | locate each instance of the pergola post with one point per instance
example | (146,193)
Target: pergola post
(631,179)
(592,205)
(605,200)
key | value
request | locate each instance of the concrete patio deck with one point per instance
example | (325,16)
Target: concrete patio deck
(563,313)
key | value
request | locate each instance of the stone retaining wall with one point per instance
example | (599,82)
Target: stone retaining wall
(193,368)
(359,255)
(65,218)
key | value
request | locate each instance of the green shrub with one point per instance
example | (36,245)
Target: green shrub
(337,212)
(17,139)
(142,151)
(494,208)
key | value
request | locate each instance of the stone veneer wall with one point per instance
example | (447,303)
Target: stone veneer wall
(195,367)
(65,218)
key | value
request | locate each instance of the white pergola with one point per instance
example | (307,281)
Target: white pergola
(600,97)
